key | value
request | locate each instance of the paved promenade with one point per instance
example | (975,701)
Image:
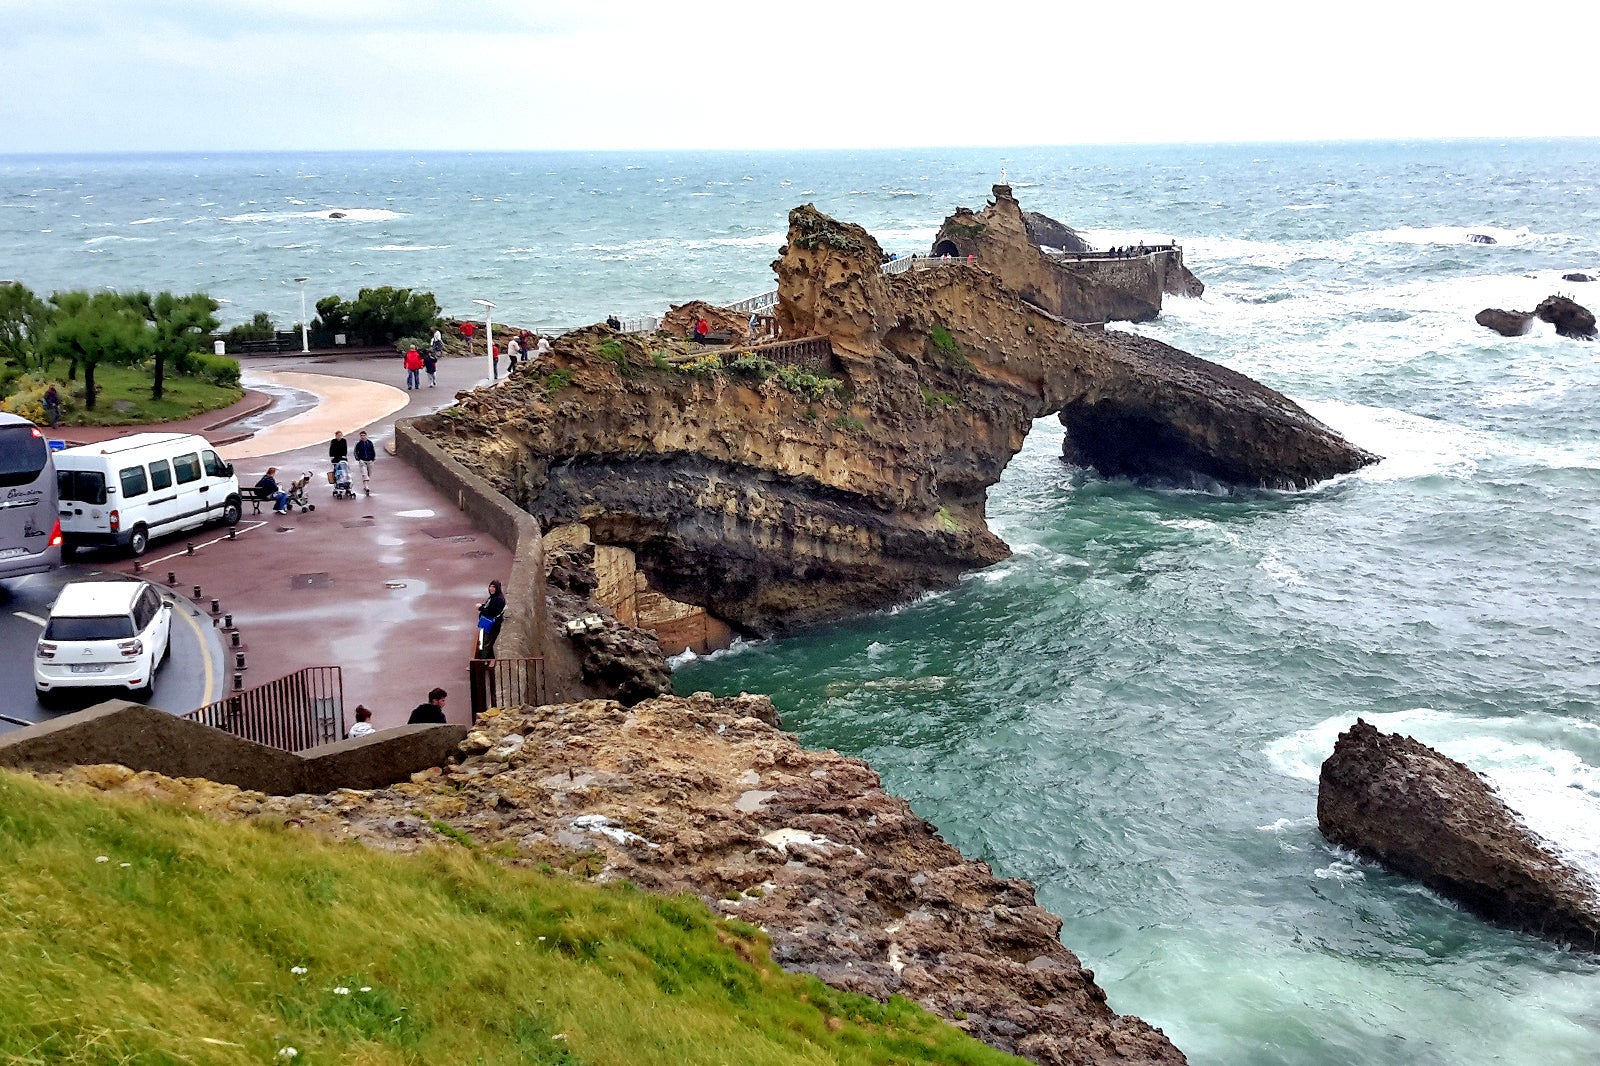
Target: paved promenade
(383,585)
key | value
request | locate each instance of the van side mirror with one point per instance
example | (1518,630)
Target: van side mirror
(227,469)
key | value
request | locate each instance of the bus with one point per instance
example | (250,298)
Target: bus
(30,519)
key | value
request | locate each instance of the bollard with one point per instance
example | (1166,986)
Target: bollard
(235,638)
(238,682)
(138,567)
(215,622)
(233,534)
(216,605)
(197,592)
(172,578)
(227,622)
(238,660)
(191,548)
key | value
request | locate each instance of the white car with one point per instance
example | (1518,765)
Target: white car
(103,634)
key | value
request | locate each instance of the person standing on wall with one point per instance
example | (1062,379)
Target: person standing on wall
(366,454)
(491,613)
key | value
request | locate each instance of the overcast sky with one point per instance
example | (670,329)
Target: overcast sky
(142,75)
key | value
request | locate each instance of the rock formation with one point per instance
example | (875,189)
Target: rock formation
(1576,277)
(847,473)
(1569,318)
(1042,229)
(1001,239)
(1505,323)
(706,796)
(1481,238)
(1396,801)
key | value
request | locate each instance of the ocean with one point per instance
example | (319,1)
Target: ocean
(1131,710)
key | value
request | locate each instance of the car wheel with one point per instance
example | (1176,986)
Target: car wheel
(142,695)
(230,511)
(138,541)
(47,698)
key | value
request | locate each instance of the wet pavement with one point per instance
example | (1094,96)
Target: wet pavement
(384,586)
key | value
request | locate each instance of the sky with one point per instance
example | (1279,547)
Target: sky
(485,75)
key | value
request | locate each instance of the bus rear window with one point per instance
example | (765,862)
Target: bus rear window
(23,453)
(81,486)
(99,627)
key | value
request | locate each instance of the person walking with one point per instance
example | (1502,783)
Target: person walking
(366,454)
(413,369)
(494,359)
(363,726)
(491,613)
(430,713)
(468,329)
(430,363)
(513,352)
(52,406)
(437,344)
(542,349)
(338,448)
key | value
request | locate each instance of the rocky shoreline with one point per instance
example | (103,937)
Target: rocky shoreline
(708,796)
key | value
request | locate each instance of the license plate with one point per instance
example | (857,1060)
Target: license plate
(88,668)
(12,553)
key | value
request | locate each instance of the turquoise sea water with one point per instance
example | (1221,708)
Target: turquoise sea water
(1132,709)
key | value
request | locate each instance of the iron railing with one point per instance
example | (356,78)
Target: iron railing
(505,683)
(298,711)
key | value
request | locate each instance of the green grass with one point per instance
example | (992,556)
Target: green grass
(123,396)
(181,945)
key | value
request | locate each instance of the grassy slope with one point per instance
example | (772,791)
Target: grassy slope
(179,946)
(182,397)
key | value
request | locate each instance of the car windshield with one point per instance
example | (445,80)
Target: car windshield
(95,627)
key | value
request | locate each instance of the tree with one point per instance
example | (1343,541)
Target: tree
(333,315)
(90,330)
(180,326)
(23,319)
(385,314)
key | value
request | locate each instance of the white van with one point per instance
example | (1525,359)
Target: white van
(124,492)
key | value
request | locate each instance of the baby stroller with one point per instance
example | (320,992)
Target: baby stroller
(339,477)
(296,494)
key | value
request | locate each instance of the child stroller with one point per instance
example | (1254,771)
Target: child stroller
(296,494)
(339,476)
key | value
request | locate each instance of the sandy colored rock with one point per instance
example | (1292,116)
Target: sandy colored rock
(706,795)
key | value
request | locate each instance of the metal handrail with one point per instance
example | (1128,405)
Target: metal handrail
(295,712)
(506,683)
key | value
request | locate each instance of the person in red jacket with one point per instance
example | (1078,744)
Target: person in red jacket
(413,369)
(468,329)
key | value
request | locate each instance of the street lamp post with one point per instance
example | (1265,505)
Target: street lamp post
(488,336)
(305,338)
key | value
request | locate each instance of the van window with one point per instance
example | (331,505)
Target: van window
(187,467)
(160,475)
(23,454)
(133,481)
(81,486)
(103,627)
(215,467)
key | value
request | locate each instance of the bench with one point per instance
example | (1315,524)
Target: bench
(253,495)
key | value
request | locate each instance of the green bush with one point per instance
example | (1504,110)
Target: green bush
(614,351)
(753,366)
(943,341)
(938,399)
(27,399)
(217,369)
(259,328)
(811,386)
(554,382)
(379,316)
(709,363)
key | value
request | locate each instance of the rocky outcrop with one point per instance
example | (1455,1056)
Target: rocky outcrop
(1505,323)
(1042,229)
(809,481)
(1569,318)
(1481,238)
(1577,277)
(707,796)
(1005,241)
(1398,802)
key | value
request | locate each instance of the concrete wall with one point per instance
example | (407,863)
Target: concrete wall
(142,738)
(526,630)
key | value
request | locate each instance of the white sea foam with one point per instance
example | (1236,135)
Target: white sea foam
(149,221)
(738,647)
(409,247)
(347,214)
(113,238)
(1546,769)
(1447,235)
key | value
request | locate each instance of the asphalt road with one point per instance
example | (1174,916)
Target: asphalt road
(193,676)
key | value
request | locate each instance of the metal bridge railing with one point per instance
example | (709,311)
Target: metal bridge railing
(297,711)
(505,683)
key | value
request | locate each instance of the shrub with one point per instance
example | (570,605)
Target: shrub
(217,369)
(555,381)
(709,363)
(259,328)
(753,366)
(811,386)
(849,424)
(27,399)
(379,316)
(938,399)
(613,351)
(943,341)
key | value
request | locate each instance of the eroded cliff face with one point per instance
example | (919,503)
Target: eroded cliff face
(854,477)
(707,796)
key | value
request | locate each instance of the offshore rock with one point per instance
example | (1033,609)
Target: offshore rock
(1481,238)
(1505,323)
(854,476)
(1398,802)
(1569,318)
(1042,229)
(1002,240)
(1576,277)
(707,796)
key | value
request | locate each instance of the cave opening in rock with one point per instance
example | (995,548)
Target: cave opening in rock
(946,248)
